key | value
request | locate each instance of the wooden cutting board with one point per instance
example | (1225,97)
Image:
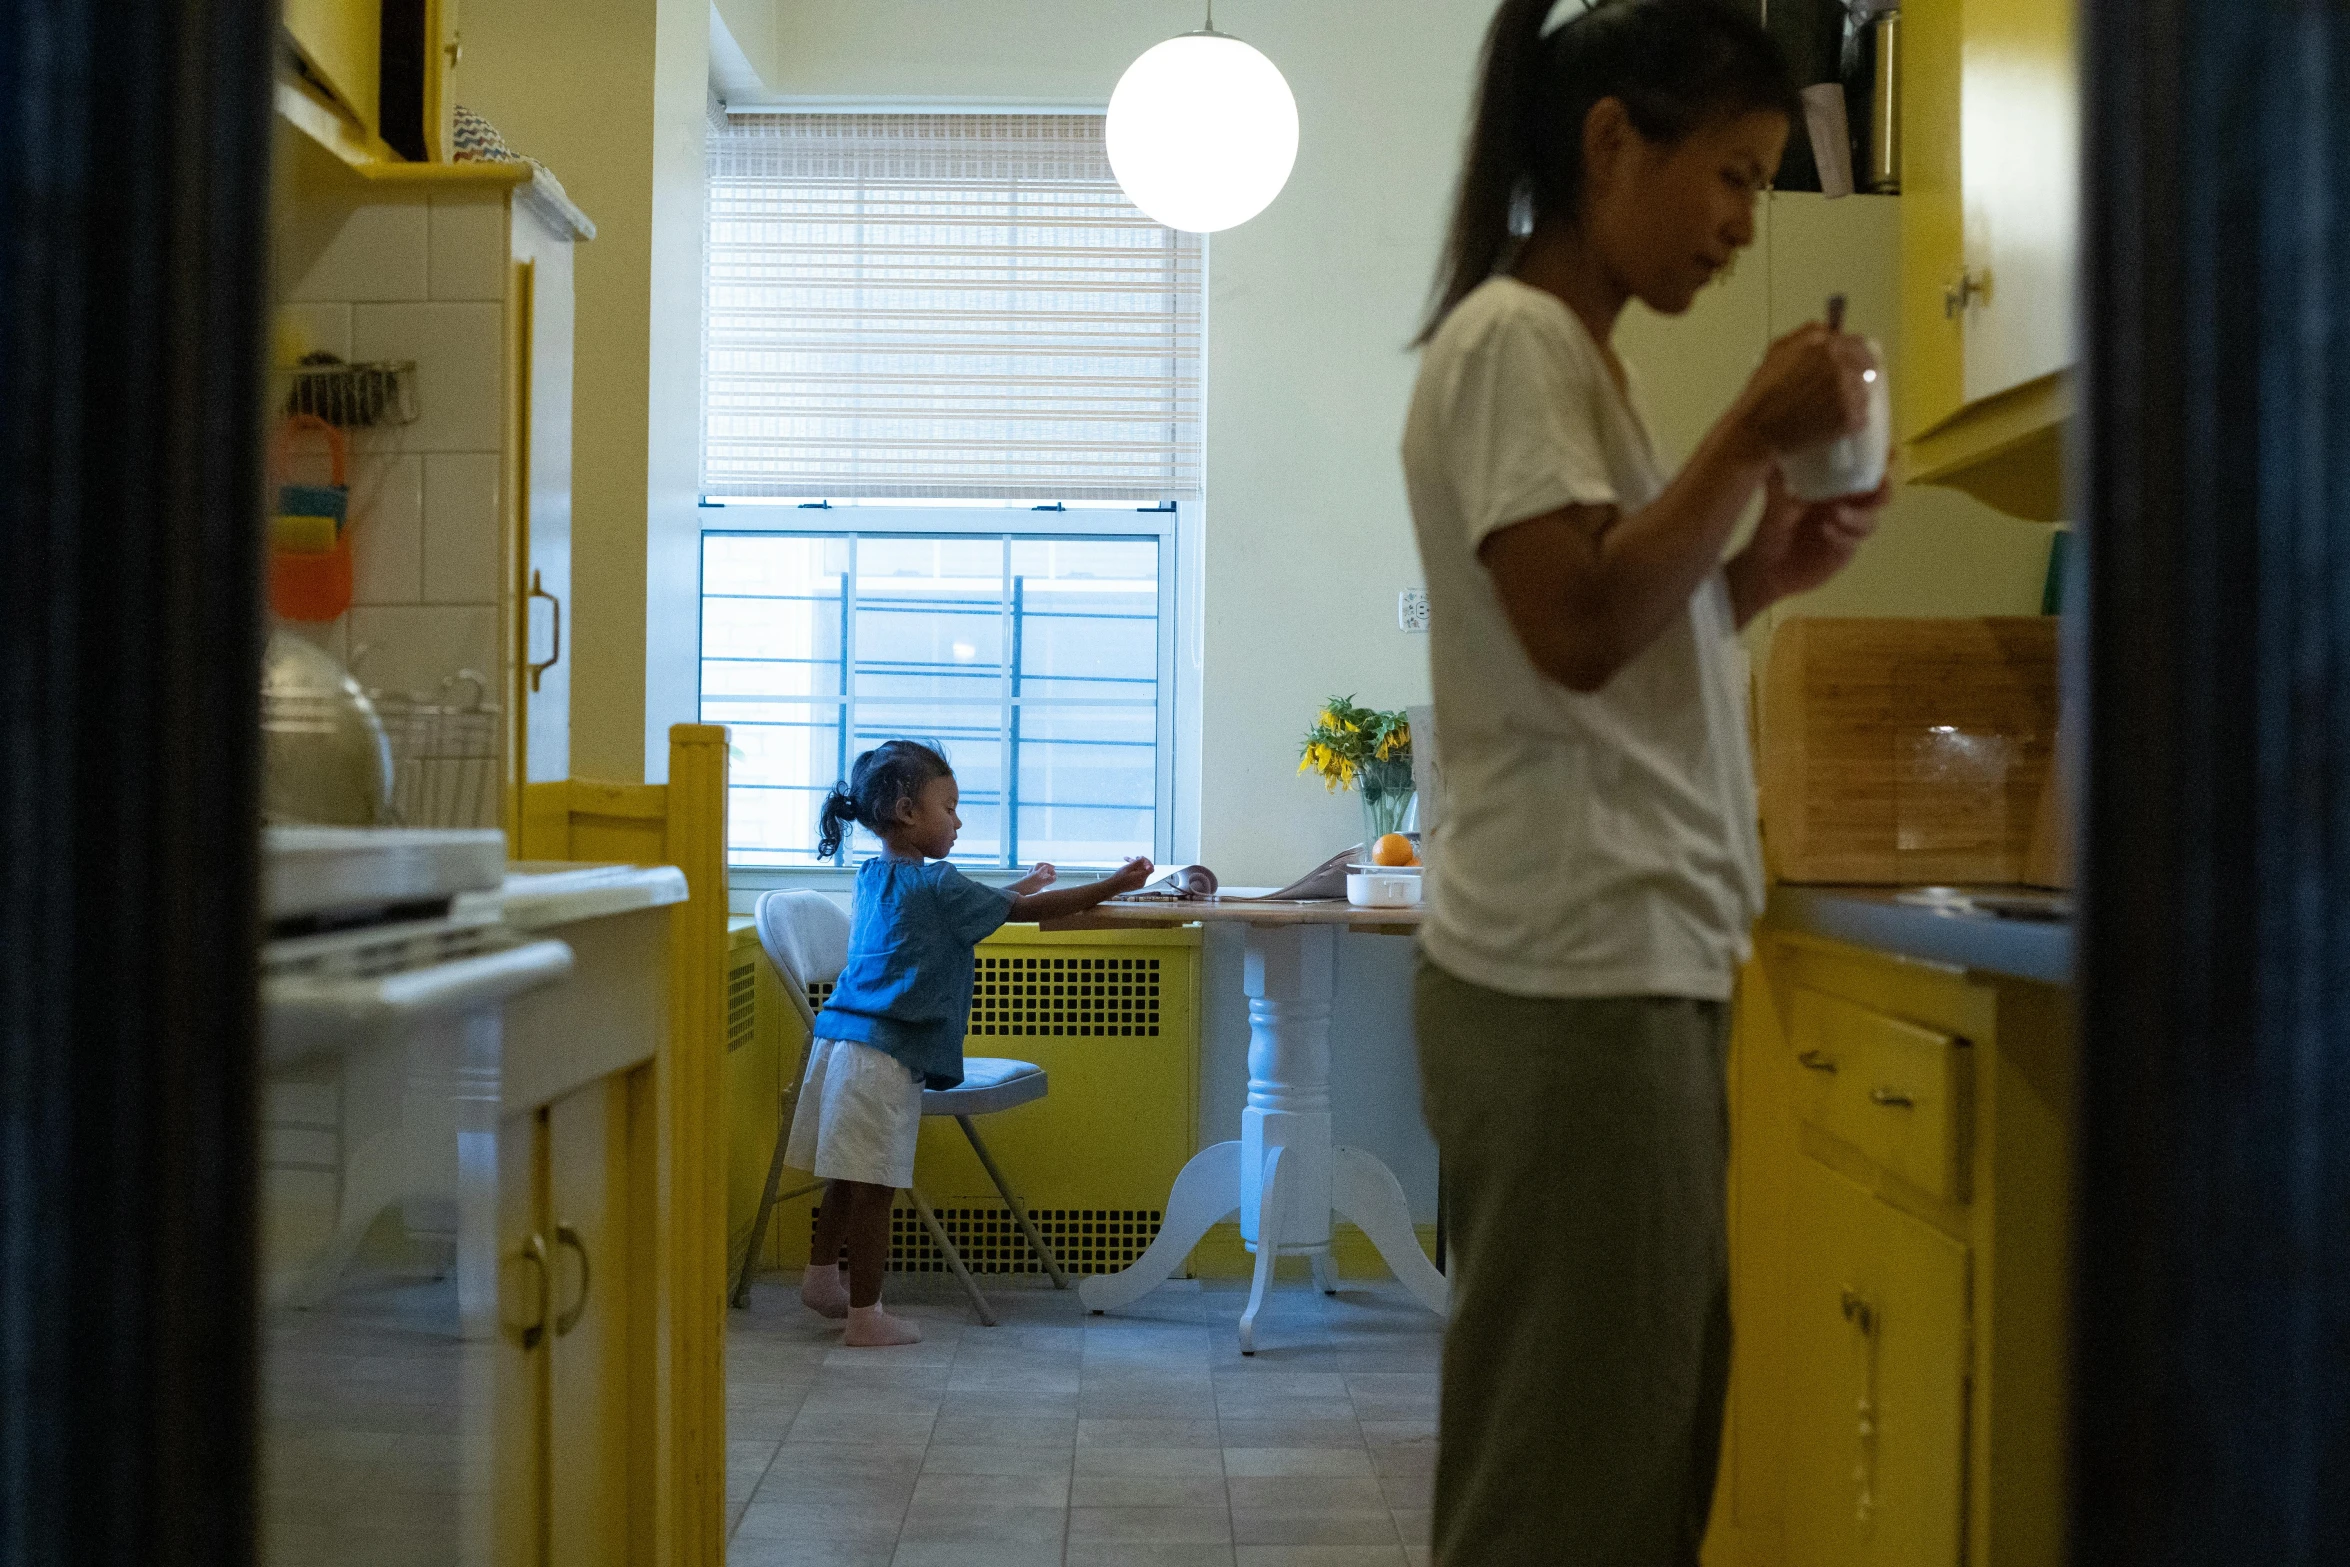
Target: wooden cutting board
(1904,752)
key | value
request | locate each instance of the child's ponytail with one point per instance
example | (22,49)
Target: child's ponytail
(894,771)
(834,821)
(1673,64)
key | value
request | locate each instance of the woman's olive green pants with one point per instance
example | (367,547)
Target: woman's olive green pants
(1585,1147)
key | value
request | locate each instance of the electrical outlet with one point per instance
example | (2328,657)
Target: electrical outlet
(1411,610)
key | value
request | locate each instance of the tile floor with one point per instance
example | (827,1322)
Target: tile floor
(1061,1439)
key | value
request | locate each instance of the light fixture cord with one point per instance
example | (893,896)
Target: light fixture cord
(1211,15)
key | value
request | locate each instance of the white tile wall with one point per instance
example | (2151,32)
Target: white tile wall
(423,281)
(416,648)
(375,252)
(468,249)
(463,542)
(459,349)
(320,324)
(387,516)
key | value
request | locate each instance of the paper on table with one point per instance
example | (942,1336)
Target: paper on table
(1326,882)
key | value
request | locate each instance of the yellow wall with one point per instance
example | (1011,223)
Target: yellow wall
(591,89)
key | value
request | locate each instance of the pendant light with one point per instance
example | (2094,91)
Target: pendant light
(1202,131)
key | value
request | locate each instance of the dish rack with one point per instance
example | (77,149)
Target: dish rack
(444,753)
(354,396)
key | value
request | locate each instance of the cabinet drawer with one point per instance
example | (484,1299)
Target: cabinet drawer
(1893,1090)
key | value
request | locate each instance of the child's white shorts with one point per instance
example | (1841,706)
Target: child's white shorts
(859,1113)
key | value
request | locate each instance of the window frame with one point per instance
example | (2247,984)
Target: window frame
(1170,525)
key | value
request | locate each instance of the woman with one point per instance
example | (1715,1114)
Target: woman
(1598,870)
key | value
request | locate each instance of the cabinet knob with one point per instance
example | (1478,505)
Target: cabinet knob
(1971,288)
(1816,1061)
(1891,1099)
(565,1235)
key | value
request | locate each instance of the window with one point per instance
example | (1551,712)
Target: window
(961,307)
(952,413)
(1035,660)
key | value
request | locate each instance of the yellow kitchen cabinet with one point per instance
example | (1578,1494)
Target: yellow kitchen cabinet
(578,1354)
(1989,219)
(339,43)
(1899,1201)
(373,81)
(1877,1419)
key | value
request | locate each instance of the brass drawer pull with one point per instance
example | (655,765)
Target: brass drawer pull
(534,1252)
(565,1235)
(1891,1099)
(1816,1061)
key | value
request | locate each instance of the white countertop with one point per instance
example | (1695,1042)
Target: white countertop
(542,894)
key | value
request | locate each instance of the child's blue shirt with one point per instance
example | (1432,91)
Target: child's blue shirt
(907,987)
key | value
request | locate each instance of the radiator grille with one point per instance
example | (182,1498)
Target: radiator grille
(1087,1240)
(742,1005)
(1055,997)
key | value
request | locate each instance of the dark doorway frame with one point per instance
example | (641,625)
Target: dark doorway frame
(134,202)
(2212,1309)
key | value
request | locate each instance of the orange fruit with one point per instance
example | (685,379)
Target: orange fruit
(1394,849)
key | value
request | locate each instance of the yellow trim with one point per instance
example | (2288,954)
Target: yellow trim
(2006,451)
(693,1416)
(1222,1256)
(372,159)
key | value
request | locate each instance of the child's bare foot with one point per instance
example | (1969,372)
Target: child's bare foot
(870,1327)
(824,1292)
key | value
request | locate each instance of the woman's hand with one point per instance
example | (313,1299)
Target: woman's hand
(1800,545)
(1811,387)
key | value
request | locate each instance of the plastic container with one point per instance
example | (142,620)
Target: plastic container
(1383,886)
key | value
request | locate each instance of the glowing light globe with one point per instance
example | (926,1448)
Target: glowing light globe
(1202,132)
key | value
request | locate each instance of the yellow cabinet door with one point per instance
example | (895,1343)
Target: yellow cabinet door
(341,43)
(1989,201)
(2019,131)
(1877,1320)
(600,1469)
(525,1304)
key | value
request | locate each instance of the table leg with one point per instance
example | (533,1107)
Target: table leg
(1367,1192)
(1283,1174)
(1269,1217)
(1205,1193)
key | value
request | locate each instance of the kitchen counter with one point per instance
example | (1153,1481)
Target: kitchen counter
(1953,934)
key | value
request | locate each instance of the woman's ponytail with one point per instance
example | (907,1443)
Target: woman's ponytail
(1673,64)
(1499,156)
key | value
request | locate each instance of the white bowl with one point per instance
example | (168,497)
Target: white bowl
(1383,886)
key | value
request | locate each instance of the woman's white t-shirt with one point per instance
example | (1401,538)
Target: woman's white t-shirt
(1591,845)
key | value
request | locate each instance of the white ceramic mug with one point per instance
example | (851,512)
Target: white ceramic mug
(1850,464)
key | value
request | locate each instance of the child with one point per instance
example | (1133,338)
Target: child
(894,1023)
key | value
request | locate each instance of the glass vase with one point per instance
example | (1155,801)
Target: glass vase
(1386,789)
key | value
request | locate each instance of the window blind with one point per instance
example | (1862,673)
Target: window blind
(943,306)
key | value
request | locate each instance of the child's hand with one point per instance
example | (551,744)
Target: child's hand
(1037,880)
(1128,876)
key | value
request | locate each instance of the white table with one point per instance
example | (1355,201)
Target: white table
(1283,1174)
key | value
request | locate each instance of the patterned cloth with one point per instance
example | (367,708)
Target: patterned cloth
(478,141)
